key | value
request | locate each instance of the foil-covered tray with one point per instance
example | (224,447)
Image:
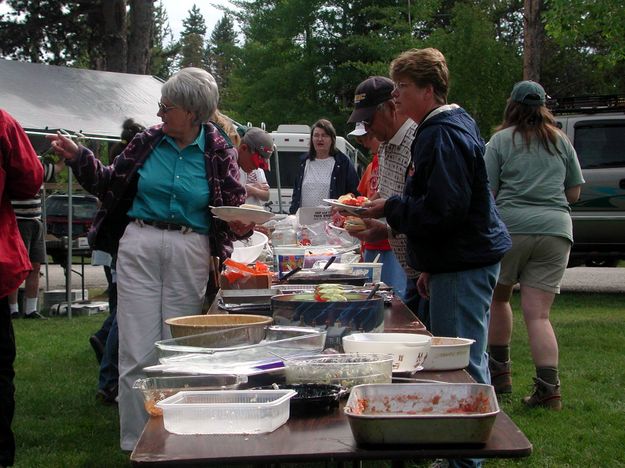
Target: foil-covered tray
(422,413)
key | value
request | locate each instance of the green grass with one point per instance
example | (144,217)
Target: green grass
(59,424)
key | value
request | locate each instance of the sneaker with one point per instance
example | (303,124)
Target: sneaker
(544,395)
(500,375)
(35,315)
(15,315)
(98,347)
(107,396)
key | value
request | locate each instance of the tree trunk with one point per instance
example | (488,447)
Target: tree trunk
(141,23)
(533,39)
(114,40)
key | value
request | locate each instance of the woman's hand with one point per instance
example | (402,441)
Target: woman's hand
(63,146)
(239,228)
(374,231)
(373,209)
(423,285)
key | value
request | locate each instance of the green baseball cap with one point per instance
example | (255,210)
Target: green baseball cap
(529,93)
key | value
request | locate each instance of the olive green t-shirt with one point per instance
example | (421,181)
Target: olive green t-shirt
(529,183)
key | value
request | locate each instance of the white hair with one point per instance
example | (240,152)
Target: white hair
(194,90)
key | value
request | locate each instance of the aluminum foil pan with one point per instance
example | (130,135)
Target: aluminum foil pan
(422,413)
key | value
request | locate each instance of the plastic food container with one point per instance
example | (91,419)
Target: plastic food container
(373,271)
(313,399)
(345,370)
(248,250)
(448,353)
(279,342)
(251,328)
(424,413)
(156,389)
(226,412)
(409,350)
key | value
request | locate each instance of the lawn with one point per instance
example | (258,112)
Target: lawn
(59,424)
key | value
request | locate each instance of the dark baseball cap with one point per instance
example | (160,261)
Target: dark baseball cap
(369,94)
(529,93)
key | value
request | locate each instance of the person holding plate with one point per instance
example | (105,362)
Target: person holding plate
(155,217)
(325,172)
(254,151)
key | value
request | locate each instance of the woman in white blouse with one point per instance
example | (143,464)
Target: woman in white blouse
(325,172)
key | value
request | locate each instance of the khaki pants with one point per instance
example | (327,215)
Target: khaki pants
(160,274)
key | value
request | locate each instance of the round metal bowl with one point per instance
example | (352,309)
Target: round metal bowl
(357,313)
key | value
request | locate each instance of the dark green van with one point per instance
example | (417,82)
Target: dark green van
(596,127)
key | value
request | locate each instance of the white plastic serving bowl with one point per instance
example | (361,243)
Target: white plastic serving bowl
(448,353)
(248,250)
(409,350)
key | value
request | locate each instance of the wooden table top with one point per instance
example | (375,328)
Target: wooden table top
(320,438)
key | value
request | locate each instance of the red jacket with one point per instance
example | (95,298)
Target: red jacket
(21,176)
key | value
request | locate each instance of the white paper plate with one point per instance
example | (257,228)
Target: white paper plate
(349,208)
(333,226)
(243,215)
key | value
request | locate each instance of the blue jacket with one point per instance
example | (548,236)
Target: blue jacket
(344,179)
(447,210)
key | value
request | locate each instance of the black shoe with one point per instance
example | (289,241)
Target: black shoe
(107,396)
(15,315)
(35,315)
(98,347)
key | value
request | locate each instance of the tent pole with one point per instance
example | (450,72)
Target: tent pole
(68,277)
(45,234)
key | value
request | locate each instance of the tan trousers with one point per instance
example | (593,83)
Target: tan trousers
(160,274)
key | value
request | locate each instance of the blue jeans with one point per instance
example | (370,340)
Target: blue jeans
(109,372)
(392,272)
(417,304)
(460,307)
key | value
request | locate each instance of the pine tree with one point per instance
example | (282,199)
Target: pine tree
(163,49)
(222,51)
(192,40)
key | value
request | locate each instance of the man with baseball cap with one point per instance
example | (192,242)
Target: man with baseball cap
(373,102)
(254,152)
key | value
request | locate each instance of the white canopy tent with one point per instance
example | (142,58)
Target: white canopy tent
(81,103)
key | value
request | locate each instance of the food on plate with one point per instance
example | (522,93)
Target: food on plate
(338,219)
(350,199)
(354,224)
(252,207)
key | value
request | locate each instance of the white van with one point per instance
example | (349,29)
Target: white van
(291,142)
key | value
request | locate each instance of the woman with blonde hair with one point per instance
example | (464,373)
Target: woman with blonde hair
(534,175)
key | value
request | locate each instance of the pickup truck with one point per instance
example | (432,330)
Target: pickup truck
(596,127)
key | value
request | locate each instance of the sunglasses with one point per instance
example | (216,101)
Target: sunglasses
(164,109)
(259,161)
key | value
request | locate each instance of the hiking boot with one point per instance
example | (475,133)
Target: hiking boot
(500,375)
(107,396)
(545,395)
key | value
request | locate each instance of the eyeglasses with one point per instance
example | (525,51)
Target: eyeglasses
(163,108)
(400,85)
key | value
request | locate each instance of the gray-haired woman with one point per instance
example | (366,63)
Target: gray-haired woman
(155,218)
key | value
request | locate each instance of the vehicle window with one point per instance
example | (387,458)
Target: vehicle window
(600,145)
(289,167)
(83,208)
